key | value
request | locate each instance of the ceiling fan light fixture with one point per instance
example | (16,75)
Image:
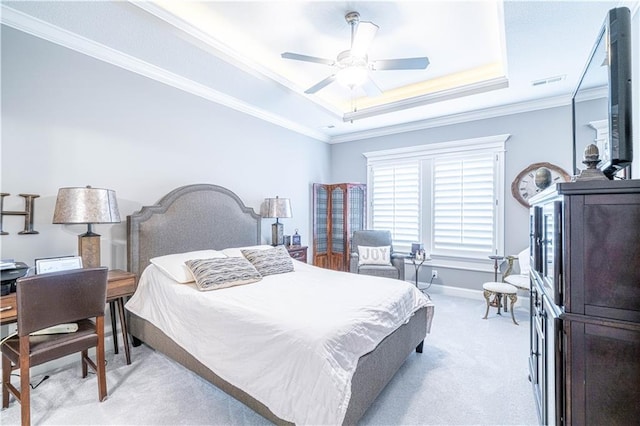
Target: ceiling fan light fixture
(352,76)
(353,65)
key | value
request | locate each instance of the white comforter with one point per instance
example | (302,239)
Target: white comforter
(292,341)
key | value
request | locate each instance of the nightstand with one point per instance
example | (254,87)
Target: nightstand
(120,285)
(298,253)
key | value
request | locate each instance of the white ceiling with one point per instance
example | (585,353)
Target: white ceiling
(484,55)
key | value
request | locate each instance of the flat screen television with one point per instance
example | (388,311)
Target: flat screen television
(601,102)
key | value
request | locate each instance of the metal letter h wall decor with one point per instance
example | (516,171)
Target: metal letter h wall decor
(27,213)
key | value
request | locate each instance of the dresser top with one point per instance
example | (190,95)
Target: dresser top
(628,186)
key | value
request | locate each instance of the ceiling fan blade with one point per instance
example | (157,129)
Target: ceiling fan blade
(298,57)
(327,81)
(363,37)
(401,64)
(371,88)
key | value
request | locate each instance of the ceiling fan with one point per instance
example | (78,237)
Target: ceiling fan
(353,65)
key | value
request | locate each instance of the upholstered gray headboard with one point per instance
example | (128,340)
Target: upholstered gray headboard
(192,217)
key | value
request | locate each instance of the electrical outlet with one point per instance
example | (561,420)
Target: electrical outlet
(434,273)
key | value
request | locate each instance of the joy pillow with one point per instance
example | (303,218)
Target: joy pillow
(374,255)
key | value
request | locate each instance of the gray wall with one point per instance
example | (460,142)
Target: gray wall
(544,135)
(70,120)
(536,136)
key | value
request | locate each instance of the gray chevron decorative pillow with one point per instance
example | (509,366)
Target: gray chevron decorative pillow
(214,274)
(270,261)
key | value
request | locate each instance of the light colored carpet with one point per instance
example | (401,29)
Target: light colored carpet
(472,371)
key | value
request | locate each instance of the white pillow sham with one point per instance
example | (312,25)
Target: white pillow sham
(173,264)
(374,255)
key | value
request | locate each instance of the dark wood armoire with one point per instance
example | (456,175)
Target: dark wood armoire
(338,210)
(585,303)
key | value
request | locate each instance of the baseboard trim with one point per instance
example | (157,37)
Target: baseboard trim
(446,290)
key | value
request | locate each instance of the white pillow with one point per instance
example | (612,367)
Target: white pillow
(237,251)
(173,264)
(374,255)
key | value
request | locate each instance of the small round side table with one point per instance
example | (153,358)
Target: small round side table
(495,266)
(417,264)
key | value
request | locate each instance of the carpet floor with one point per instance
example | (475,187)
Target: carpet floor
(472,372)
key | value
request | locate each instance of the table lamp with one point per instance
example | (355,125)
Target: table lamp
(277,207)
(87,205)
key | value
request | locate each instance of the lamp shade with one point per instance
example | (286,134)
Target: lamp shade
(86,205)
(276,207)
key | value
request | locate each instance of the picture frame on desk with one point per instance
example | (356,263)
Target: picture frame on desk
(55,264)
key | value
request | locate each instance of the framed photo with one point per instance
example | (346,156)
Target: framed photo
(55,264)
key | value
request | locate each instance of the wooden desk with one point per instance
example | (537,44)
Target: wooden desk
(120,284)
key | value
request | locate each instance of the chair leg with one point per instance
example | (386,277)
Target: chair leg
(6,378)
(25,386)
(487,294)
(513,298)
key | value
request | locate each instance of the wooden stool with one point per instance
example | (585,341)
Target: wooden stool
(499,290)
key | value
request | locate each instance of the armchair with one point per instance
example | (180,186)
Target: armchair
(372,238)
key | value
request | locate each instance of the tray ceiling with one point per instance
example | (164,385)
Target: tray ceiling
(484,55)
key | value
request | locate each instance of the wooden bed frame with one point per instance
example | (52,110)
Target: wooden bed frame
(203,216)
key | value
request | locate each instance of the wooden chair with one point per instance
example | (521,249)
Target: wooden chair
(46,300)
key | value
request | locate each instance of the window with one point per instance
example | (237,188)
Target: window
(395,203)
(464,206)
(447,195)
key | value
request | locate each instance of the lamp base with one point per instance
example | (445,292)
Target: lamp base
(277,234)
(89,250)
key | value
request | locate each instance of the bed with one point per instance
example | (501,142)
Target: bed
(210,217)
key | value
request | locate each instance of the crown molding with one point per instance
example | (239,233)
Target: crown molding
(54,34)
(41,29)
(429,98)
(447,120)
(227,54)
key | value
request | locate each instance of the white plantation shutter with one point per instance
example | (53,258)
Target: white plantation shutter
(464,205)
(448,195)
(395,202)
